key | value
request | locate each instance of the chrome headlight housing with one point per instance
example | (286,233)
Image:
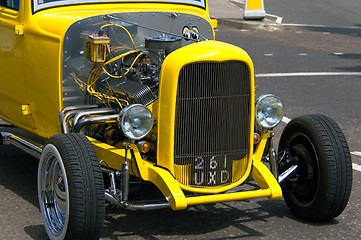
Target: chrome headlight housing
(269,111)
(135,121)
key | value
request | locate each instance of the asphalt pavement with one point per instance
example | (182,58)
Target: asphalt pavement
(231,13)
(253,219)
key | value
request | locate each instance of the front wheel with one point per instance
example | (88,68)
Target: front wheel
(320,188)
(70,188)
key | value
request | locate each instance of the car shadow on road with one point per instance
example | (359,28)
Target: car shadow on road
(36,232)
(230,220)
(198,222)
(18,174)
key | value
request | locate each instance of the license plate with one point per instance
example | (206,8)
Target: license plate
(211,170)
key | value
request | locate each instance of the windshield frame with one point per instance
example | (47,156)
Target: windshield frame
(38,5)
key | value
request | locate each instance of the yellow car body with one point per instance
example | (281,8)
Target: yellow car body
(28,39)
(84,60)
(36,60)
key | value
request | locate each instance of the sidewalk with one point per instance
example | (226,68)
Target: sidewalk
(225,9)
(230,13)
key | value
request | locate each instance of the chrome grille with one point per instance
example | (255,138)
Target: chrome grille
(212,123)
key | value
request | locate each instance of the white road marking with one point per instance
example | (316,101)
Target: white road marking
(356,167)
(356,153)
(307,74)
(286,119)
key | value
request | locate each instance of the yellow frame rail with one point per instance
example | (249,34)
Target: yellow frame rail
(170,187)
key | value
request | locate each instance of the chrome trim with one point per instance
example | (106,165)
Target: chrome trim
(273,158)
(53,192)
(89,112)
(287,173)
(120,199)
(92,120)
(77,113)
(258,101)
(25,145)
(125,180)
(67,113)
(38,6)
(133,206)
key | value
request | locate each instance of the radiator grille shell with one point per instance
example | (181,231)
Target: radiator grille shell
(212,123)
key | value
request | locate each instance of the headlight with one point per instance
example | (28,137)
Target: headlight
(135,121)
(269,111)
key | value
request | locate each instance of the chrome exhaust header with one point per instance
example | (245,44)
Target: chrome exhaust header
(71,116)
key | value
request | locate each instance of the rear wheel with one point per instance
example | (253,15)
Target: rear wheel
(70,188)
(320,188)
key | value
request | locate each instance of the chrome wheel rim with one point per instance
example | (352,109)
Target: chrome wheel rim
(53,192)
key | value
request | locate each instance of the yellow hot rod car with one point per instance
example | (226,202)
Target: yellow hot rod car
(115,94)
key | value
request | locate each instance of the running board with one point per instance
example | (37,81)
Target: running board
(18,140)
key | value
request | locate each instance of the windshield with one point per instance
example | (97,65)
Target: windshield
(39,4)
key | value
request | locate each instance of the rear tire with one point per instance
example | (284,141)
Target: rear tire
(70,188)
(321,187)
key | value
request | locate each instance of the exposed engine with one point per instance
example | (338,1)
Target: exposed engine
(113,62)
(131,77)
(119,76)
(146,70)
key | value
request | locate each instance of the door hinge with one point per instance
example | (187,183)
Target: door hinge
(25,109)
(19,30)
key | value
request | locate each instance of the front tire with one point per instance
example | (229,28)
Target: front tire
(321,187)
(70,188)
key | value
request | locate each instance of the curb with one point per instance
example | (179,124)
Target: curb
(250,25)
(269,25)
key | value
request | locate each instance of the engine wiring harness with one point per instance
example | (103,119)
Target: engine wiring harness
(107,98)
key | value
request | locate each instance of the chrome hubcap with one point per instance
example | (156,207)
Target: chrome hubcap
(53,194)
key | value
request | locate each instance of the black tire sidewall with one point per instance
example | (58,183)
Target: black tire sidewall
(85,185)
(326,151)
